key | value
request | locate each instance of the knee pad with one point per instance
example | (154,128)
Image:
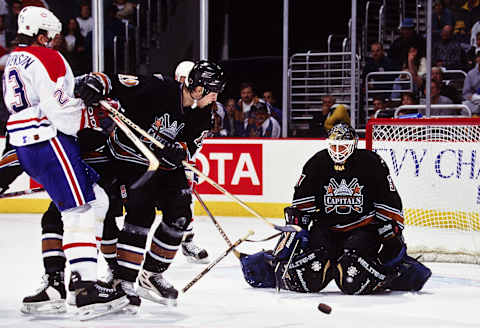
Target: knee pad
(100,204)
(79,219)
(258,269)
(308,272)
(357,275)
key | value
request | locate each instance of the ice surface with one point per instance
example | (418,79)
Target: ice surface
(451,298)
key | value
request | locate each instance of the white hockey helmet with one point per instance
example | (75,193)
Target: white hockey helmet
(183,69)
(342,142)
(33,19)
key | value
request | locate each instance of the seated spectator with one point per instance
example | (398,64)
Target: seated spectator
(229,125)
(472,52)
(266,125)
(74,47)
(437,99)
(126,9)
(11,21)
(471,85)
(408,38)
(244,104)
(417,66)
(401,83)
(447,52)
(379,104)
(85,20)
(271,102)
(377,62)
(446,89)
(330,114)
(409,98)
(461,36)
(441,16)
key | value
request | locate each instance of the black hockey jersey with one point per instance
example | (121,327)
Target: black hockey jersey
(154,103)
(360,194)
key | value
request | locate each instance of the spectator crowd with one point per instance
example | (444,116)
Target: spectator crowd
(256,113)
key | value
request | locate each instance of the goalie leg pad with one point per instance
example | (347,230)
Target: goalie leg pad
(357,275)
(413,275)
(308,272)
(258,269)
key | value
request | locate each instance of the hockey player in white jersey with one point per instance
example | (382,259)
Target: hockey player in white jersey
(43,124)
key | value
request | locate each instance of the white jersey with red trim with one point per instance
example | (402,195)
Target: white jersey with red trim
(38,92)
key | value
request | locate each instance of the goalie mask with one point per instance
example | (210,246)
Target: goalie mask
(342,142)
(208,75)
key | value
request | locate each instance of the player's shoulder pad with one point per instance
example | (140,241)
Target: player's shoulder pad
(51,59)
(372,158)
(320,158)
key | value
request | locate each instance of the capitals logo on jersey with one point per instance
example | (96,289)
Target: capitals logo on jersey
(162,127)
(343,198)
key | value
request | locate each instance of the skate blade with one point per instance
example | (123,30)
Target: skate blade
(93,311)
(47,307)
(192,259)
(154,297)
(130,309)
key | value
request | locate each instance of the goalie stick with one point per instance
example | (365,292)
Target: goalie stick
(218,259)
(288,228)
(21,193)
(153,162)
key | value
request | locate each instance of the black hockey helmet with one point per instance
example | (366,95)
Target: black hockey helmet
(342,142)
(208,75)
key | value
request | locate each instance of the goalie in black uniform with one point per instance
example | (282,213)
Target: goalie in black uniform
(351,221)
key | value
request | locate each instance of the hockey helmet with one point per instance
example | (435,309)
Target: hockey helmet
(183,69)
(342,142)
(208,75)
(33,19)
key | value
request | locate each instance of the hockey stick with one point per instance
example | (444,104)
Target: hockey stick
(288,228)
(153,162)
(21,193)
(222,232)
(218,259)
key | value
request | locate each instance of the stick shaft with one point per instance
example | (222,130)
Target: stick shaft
(218,259)
(191,167)
(21,193)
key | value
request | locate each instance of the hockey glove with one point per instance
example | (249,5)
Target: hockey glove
(294,216)
(287,242)
(172,155)
(92,87)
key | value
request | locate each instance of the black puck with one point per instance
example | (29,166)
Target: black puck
(324,308)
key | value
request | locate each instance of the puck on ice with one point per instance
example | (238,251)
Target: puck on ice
(324,308)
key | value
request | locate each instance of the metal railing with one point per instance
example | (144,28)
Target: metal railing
(313,76)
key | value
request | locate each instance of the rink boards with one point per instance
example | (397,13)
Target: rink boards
(260,172)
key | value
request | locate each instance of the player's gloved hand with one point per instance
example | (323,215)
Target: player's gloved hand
(294,216)
(172,155)
(287,242)
(92,87)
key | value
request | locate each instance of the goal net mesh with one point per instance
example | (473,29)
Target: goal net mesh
(435,164)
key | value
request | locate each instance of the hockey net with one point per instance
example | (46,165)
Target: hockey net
(435,164)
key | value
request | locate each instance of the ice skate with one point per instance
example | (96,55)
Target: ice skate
(133,297)
(94,300)
(193,253)
(49,298)
(154,287)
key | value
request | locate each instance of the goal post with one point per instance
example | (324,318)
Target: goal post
(435,165)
